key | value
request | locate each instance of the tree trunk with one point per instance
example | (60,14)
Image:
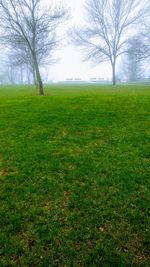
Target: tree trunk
(34,76)
(28,74)
(21,74)
(114,73)
(38,76)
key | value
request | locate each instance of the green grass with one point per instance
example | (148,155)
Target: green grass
(75,176)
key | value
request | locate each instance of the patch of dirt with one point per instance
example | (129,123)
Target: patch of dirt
(3,173)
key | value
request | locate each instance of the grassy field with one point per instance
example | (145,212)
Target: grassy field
(75,176)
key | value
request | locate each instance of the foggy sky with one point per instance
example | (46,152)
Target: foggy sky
(70,64)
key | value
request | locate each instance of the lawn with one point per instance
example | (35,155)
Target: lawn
(75,176)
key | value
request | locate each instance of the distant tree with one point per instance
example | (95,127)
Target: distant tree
(28,26)
(105,34)
(22,58)
(133,64)
(141,49)
(138,52)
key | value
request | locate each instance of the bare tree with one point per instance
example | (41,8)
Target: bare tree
(22,65)
(31,28)
(141,49)
(133,65)
(105,35)
(21,57)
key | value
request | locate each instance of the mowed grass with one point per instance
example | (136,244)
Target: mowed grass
(75,176)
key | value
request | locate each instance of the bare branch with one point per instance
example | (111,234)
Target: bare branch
(30,30)
(108,22)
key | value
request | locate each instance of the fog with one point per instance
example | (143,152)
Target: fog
(71,64)
(68,63)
